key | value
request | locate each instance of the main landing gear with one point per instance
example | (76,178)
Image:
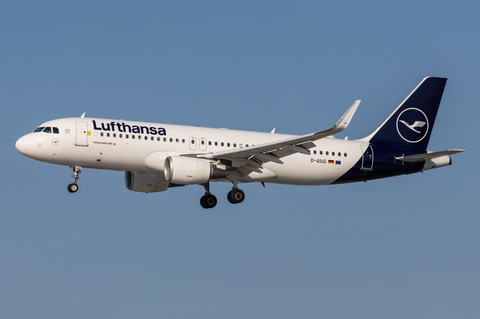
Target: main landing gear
(73,187)
(208,200)
(235,196)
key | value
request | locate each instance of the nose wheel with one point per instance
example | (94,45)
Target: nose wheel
(73,187)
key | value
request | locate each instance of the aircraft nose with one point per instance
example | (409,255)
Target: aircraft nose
(23,145)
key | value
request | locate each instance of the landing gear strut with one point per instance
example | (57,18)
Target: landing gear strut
(73,187)
(236,195)
(208,200)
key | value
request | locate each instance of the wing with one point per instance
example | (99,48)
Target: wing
(255,156)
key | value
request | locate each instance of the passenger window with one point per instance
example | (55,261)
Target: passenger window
(228,144)
(210,143)
(183,141)
(39,129)
(108,134)
(120,135)
(177,140)
(345,154)
(216,143)
(315,152)
(146,138)
(101,133)
(221,144)
(158,139)
(326,153)
(133,137)
(55,130)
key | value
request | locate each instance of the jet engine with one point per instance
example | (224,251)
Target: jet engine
(145,182)
(187,170)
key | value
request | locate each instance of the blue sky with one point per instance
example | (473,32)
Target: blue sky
(405,247)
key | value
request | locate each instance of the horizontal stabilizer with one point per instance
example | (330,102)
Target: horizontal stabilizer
(427,156)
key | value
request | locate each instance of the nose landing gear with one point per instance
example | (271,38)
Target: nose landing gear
(73,187)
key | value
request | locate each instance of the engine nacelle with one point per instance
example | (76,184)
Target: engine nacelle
(437,162)
(156,161)
(187,170)
(145,182)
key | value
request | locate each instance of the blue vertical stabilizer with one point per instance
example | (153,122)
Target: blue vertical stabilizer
(411,124)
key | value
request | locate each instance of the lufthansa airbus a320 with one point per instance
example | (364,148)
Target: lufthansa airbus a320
(156,157)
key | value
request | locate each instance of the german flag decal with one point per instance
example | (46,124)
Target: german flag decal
(331,162)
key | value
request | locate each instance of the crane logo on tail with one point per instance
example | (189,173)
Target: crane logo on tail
(412,125)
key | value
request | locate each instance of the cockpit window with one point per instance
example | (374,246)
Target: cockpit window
(47,129)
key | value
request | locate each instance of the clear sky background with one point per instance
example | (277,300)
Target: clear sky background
(406,247)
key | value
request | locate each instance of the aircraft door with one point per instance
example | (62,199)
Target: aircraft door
(193,143)
(367,158)
(82,133)
(203,144)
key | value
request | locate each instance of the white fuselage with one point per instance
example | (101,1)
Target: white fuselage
(124,146)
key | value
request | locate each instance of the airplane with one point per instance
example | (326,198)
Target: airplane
(156,157)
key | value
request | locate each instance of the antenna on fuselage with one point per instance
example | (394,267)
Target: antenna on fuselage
(83,115)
